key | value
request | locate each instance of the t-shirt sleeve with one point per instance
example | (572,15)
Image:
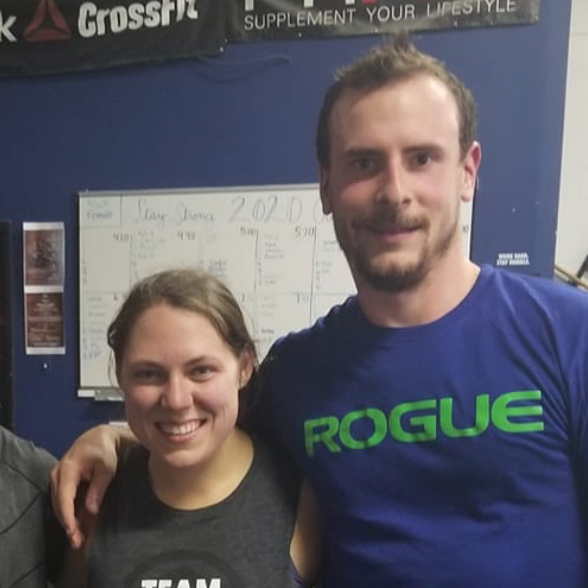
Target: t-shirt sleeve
(26,502)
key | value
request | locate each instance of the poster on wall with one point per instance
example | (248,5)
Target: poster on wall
(251,20)
(44,323)
(50,36)
(44,276)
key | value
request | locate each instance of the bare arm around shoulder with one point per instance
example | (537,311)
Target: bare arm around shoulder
(90,461)
(305,549)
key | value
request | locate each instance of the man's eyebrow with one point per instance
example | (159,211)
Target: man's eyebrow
(424,147)
(361,152)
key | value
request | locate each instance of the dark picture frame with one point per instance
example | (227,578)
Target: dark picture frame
(6,354)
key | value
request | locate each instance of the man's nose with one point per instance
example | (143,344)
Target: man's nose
(392,187)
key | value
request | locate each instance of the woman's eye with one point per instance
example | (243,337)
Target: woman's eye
(201,371)
(145,375)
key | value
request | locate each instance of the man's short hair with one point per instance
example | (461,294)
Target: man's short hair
(397,59)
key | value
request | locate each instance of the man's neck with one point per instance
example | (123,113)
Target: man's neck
(443,288)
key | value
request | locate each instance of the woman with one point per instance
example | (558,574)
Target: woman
(199,503)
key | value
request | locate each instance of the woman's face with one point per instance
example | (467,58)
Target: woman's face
(181,383)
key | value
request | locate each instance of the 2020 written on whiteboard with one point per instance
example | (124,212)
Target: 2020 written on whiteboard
(272,245)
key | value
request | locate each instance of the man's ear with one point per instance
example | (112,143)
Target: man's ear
(324,190)
(471,164)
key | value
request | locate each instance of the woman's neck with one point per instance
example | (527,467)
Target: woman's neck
(191,488)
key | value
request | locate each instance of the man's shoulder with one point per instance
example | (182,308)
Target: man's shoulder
(541,292)
(23,459)
(324,328)
(540,307)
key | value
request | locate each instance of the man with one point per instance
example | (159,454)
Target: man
(31,540)
(441,414)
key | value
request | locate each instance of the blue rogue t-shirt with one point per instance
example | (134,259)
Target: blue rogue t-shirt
(449,455)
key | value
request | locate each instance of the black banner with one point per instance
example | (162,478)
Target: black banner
(49,36)
(251,20)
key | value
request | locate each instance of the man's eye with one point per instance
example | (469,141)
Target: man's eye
(421,159)
(364,164)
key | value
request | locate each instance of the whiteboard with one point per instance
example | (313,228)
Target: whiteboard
(272,245)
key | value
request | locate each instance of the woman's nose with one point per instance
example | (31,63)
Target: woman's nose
(177,393)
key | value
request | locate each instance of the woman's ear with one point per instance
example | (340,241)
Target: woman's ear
(246,369)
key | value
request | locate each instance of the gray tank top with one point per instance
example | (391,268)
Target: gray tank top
(241,542)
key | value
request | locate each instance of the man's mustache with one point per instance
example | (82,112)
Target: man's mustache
(392,221)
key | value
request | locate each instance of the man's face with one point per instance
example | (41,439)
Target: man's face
(396,179)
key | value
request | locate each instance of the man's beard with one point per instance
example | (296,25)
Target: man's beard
(396,277)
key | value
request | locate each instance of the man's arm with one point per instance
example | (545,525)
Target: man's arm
(91,461)
(306,548)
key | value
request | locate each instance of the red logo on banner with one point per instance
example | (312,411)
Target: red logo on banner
(48,24)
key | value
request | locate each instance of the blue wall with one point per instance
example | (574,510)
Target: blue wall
(247,117)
